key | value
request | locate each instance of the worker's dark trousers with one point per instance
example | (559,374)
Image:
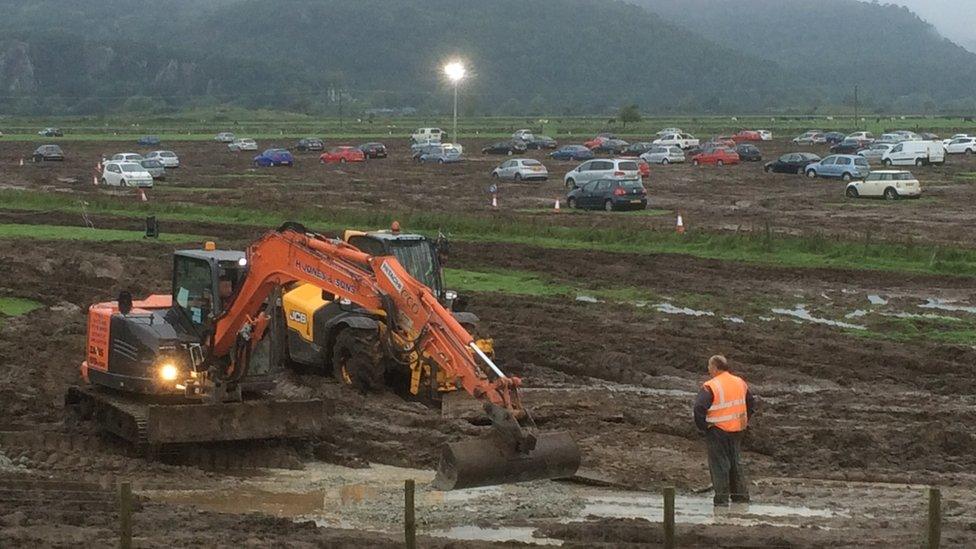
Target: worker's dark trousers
(725,465)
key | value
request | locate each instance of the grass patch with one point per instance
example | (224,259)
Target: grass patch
(16,306)
(938,329)
(68,232)
(818,251)
(507,282)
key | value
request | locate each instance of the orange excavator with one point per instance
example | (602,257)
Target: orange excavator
(191,367)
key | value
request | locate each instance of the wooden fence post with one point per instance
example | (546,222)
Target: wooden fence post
(125,515)
(669,517)
(409,524)
(935,518)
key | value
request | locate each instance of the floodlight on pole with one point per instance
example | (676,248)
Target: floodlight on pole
(455,71)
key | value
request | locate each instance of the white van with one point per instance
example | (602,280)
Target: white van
(914,153)
(428,135)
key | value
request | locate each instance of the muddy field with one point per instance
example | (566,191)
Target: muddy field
(850,431)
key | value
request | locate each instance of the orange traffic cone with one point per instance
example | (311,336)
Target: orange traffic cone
(494,201)
(556,207)
(679,226)
(142,196)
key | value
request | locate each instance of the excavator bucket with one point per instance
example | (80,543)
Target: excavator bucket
(489,461)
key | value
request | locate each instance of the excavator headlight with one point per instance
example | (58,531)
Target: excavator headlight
(242,261)
(168,372)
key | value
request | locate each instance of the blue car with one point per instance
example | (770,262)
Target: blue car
(572,152)
(273,157)
(149,140)
(844,166)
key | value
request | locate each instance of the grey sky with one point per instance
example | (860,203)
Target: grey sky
(955,19)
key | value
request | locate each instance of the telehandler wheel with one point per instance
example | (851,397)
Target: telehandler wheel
(356,359)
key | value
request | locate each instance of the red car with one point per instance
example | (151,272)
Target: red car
(593,143)
(644,168)
(747,135)
(341,155)
(719,156)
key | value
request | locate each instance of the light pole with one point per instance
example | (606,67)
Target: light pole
(455,73)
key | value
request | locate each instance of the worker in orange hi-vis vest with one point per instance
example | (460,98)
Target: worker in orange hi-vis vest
(722,411)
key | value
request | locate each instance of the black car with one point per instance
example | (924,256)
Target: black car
(847,146)
(310,144)
(48,152)
(791,163)
(748,153)
(373,150)
(541,142)
(612,146)
(636,149)
(51,132)
(506,147)
(609,195)
(834,138)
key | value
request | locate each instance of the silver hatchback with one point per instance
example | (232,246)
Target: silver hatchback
(661,154)
(521,169)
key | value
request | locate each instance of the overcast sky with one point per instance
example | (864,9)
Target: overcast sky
(955,19)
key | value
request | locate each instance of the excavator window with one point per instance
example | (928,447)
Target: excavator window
(193,289)
(416,254)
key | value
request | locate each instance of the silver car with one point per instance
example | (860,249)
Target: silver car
(660,154)
(167,158)
(225,137)
(154,167)
(521,169)
(875,151)
(127,157)
(243,144)
(611,168)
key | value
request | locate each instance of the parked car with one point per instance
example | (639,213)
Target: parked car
(721,141)
(611,145)
(748,152)
(148,141)
(907,135)
(167,158)
(719,156)
(243,144)
(154,167)
(875,152)
(594,143)
(961,145)
(127,157)
(747,135)
(428,135)
(809,138)
(666,131)
(945,142)
(51,132)
(928,136)
(512,146)
(892,138)
(524,135)
(664,154)
(847,146)
(844,166)
(865,137)
(643,168)
(310,144)
(609,195)
(342,154)
(683,140)
(373,149)
(765,135)
(126,174)
(889,184)
(572,152)
(541,142)
(47,152)
(225,137)
(637,149)
(273,157)
(591,170)
(521,169)
(832,138)
(441,154)
(917,153)
(791,163)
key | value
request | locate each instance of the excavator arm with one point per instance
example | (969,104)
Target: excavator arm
(292,254)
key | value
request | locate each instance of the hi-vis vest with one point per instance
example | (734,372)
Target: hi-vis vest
(728,409)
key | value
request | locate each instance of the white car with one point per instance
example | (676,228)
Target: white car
(961,145)
(908,135)
(945,142)
(611,168)
(893,138)
(876,151)
(861,136)
(521,169)
(243,144)
(167,158)
(225,137)
(765,135)
(683,140)
(428,135)
(808,138)
(914,153)
(890,184)
(127,157)
(126,174)
(524,135)
(666,131)
(664,154)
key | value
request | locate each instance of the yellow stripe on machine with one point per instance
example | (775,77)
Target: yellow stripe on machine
(300,304)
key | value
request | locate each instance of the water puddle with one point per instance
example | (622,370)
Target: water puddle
(856,313)
(800,312)
(668,308)
(587,299)
(521,534)
(698,510)
(734,319)
(930,316)
(947,305)
(877,300)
